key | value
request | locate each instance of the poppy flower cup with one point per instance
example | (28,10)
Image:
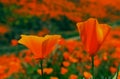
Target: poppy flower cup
(92,34)
(41,47)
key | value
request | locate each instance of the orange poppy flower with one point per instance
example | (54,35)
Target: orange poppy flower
(53,77)
(45,70)
(3,29)
(40,46)
(14,42)
(73,76)
(64,70)
(92,34)
(66,63)
(87,75)
(113,70)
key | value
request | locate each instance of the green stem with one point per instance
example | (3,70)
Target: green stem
(93,67)
(41,62)
(118,71)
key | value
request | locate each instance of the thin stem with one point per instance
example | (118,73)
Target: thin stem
(117,71)
(41,62)
(93,67)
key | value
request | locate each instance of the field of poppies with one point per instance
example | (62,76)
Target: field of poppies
(63,39)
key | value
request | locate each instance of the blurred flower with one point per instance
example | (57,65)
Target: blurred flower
(40,46)
(92,34)
(53,77)
(9,65)
(88,67)
(66,63)
(72,59)
(64,70)
(118,75)
(66,55)
(113,69)
(97,61)
(62,41)
(3,29)
(14,42)
(45,70)
(87,75)
(43,32)
(39,71)
(72,76)
(71,45)
(116,63)
(105,56)
(48,70)
(116,53)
